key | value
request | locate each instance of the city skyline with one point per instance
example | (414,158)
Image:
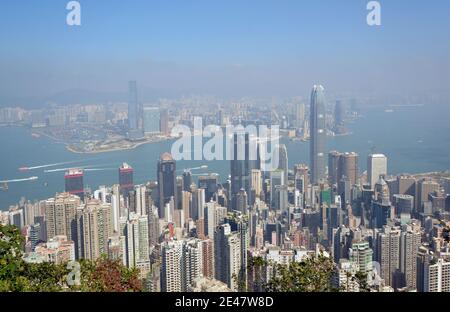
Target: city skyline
(238,147)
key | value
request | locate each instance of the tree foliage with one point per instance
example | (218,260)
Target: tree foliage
(310,275)
(19,276)
(105,275)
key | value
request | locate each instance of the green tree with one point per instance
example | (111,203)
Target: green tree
(11,263)
(361,279)
(19,276)
(105,275)
(310,275)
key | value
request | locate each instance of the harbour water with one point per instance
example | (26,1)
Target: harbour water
(415,139)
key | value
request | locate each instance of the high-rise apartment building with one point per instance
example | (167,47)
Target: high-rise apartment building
(361,254)
(60,215)
(136,233)
(227,256)
(410,241)
(388,254)
(208,258)
(94,229)
(192,261)
(172,267)
(437,275)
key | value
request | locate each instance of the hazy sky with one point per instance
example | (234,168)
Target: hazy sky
(224,47)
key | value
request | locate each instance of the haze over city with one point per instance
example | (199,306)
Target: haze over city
(256,147)
(252,48)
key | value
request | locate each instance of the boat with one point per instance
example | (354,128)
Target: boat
(24,169)
(4,187)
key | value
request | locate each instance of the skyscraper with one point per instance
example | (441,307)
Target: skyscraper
(187,180)
(376,167)
(192,259)
(74,182)
(135,111)
(425,188)
(318,134)
(227,254)
(281,153)
(404,204)
(164,122)
(125,179)
(339,117)
(172,266)
(137,239)
(436,275)
(276,180)
(299,114)
(60,215)
(208,258)
(349,167)
(166,182)
(151,120)
(94,229)
(388,254)
(133,106)
(209,183)
(244,160)
(361,254)
(333,167)
(410,242)
(241,201)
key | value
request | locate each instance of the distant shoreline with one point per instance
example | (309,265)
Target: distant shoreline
(69,147)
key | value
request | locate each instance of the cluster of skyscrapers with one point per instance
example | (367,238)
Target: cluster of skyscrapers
(143,120)
(188,232)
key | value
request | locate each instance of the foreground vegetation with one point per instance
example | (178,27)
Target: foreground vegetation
(101,275)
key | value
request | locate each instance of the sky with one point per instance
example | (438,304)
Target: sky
(224,47)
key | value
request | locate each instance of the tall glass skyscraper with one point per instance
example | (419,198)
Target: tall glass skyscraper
(318,134)
(135,112)
(151,120)
(242,163)
(166,181)
(133,107)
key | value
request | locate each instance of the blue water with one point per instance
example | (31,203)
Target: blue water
(415,139)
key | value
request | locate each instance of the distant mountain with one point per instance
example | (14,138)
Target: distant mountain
(81,96)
